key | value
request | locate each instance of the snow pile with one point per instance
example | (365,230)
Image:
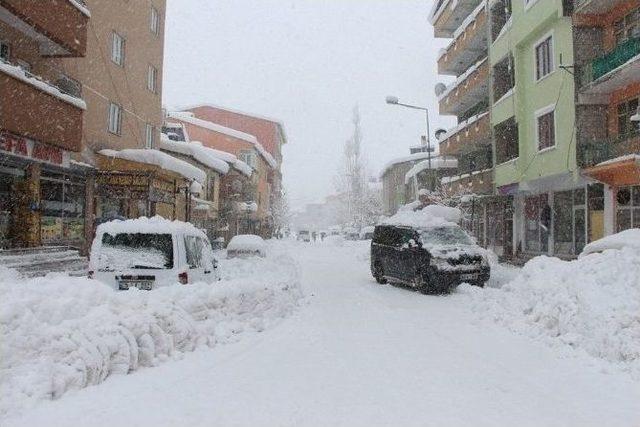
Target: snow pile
(334,240)
(61,333)
(591,304)
(428,217)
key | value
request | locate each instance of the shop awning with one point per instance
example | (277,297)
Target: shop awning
(617,172)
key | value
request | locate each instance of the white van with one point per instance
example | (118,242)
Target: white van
(148,253)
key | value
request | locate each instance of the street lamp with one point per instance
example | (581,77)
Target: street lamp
(393,100)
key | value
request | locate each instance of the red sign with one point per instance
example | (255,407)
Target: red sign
(30,149)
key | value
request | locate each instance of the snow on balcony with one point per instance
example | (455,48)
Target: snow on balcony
(19,74)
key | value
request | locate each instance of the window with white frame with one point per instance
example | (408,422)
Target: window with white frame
(154,25)
(152,79)
(546,129)
(117,48)
(4,51)
(628,208)
(115,119)
(544,57)
(249,157)
(149,135)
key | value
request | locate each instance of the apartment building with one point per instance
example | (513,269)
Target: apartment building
(467,23)
(251,198)
(42,190)
(607,73)
(269,131)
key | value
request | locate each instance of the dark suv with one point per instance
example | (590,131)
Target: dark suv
(433,260)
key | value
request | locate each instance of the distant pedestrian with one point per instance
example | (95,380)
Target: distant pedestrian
(314,235)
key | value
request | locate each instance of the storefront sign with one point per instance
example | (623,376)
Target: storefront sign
(33,150)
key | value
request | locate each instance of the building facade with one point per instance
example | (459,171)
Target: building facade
(43,195)
(607,70)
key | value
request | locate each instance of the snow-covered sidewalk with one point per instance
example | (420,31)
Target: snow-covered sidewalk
(61,333)
(362,354)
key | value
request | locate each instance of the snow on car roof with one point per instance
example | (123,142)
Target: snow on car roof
(246,241)
(144,225)
(429,217)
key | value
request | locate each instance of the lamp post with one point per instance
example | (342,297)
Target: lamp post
(393,100)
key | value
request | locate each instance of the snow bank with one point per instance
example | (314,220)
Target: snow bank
(430,216)
(628,238)
(61,333)
(591,304)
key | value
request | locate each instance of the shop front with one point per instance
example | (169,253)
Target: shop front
(43,194)
(489,219)
(130,189)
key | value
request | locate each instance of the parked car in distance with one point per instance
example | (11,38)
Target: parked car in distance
(432,259)
(351,234)
(147,253)
(304,236)
(246,245)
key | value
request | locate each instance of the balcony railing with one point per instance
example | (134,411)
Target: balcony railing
(592,153)
(467,135)
(468,90)
(621,55)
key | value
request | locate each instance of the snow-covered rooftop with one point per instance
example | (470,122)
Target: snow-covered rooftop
(625,158)
(440,162)
(160,159)
(204,155)
(189,117)
(19,74)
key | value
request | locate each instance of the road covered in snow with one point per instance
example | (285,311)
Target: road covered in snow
(355,353)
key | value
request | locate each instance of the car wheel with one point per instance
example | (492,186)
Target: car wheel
(427,288)
(378,273)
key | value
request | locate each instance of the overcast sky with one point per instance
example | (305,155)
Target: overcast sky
(308,62)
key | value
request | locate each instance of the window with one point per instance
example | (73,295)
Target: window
(149,136)
(544,58)
(507,140)
(154,25)
(117,49)
(69,86)
(628,27)
(4,51)
(628,208)
(627,128)
(152,78)
(24,65)
(504,78)
(193,249)
(115,118)
(546,130)
(249,157)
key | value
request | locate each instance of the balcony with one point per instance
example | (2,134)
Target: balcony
(477,182)
(596,7)
(38,110)
(447,15)
(469,44)
(60,26)
(610,72)
(468,90)
(595,152)
(467,135)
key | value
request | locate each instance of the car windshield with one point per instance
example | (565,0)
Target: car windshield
(124,251)
(444,236)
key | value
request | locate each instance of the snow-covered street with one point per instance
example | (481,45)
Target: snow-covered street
(358,353)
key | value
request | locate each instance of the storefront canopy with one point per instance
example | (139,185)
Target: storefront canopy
(618,172)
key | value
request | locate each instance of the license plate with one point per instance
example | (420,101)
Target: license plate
(142,285)
(473,276)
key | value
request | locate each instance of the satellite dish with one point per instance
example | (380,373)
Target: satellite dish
(439,133)
(440,88)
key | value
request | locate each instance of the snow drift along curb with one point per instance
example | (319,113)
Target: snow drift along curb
(60,333)
(591,304)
